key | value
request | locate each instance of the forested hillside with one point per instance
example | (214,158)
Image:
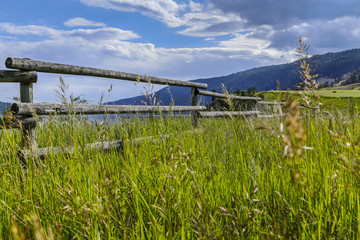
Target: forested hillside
(331,66)
(3,106)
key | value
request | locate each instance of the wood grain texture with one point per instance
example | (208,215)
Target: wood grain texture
(270,103)
(194,102)
(221,95)
(270,116)
(27,134)
(26,92)
(227,114)
(51,108)
(27,64)
(18,122)
(18,76)
(42,153)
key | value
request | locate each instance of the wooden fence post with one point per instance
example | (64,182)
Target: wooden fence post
(28,134)
(194,102)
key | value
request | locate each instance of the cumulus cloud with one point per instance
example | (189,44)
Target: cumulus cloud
(281,13)
(210,23)
(28,30)
(82,22)
(253,36)
(197,19)
(103,34)
(279,22)
(165,10)
(91,47)
(337,33)
(331,35)
(328,25)
(80,47)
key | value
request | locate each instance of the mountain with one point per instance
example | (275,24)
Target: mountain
(353,77)
(331,67)
(4,106)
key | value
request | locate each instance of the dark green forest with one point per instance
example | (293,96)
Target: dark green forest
(330,65)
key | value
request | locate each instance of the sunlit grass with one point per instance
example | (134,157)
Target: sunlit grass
(350,93)
(229,179)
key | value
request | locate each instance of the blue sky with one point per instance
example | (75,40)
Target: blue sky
(177,39)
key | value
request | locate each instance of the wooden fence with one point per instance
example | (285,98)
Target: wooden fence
(26,75)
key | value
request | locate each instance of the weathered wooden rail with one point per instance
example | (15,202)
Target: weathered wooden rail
(42,153)
(50,108)
(232,97)
(227,113)
(26,64)
(18,122)
(18,76)
(24,111)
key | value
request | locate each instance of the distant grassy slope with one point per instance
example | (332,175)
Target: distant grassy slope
(340,99)
(355,93)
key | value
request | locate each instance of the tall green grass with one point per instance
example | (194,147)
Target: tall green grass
(230,179)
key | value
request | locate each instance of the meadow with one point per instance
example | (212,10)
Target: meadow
(285,177)
(348,91)
(329,99)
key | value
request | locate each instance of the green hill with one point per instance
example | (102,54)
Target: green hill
(331,66)
(3,106)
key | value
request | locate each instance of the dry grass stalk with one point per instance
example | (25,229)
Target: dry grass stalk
(306,70)
(293,136)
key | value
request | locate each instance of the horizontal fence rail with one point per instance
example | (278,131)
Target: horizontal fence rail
(18,122)
(104,146)
(270,103)
(221,95)
(49,108)
(270,116)
(18,76)
(27,64)
(227,114)
(24,113)
(42,153)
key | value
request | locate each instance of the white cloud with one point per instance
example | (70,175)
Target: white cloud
(195,7)
(110,48)
(285,13)
(210,23)
(337,33)
(281,25)
(323,35)
(103,34)
(96,48)
(200,20)
(82,22)
(165,10)
(28,30)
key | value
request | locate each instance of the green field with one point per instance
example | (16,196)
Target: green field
(342,93)
(338,98)
(354,86)
(348,91)
(231,179)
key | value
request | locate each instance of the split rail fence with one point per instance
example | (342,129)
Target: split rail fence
(24,111)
